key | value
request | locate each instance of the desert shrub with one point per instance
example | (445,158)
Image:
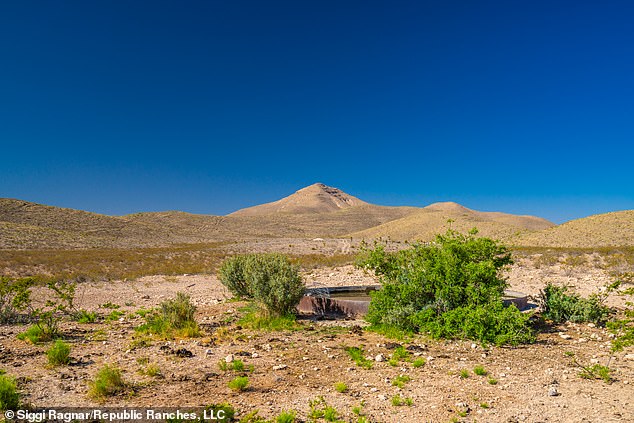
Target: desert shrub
(9,395)
(232,275)
(270,279)
(275,283)
(174,317)
(108,382)
(442,287)
(59,353)
(559,305)
(15,297)
(494,324)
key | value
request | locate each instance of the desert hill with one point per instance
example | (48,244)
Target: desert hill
(600,230)
(316,198)
(315,211)
(424,224)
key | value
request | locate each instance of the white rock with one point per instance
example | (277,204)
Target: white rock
(629,357)
(565,336)
(379,357)
(280,367)
(229,358)
(382,397)
(255,355)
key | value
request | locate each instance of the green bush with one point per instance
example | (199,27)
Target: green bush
(9,395)
(451,288)
(269,279)
(15,297)
(232,274)
(58,354)
(108,382)
(559,305)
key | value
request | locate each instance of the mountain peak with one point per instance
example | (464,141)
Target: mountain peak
(448,206)
(315,198)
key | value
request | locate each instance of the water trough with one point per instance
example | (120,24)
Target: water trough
(353,301)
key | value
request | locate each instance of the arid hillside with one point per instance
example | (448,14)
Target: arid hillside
(317,211)
(316,198)
(600,230)
(437,218)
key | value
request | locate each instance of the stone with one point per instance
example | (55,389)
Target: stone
(229,358)
(379,357)
(552,391)
(280,367)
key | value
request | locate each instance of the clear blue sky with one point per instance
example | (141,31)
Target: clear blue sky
(210,106)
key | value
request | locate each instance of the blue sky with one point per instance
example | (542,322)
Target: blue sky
(210,106)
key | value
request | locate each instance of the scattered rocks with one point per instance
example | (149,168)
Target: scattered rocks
(280,367)
(183,353)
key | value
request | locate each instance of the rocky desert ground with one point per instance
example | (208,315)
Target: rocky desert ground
(532,383)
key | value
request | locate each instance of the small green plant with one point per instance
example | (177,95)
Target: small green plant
(399,354)
(492,381)
(597,371)
(223,365)
(58,354)
(358,409)
(175,317)
(108,382)
(319,409)
(9,395)
(419,362)
(357,355)
(397,400)
(480,371)
(409,402)
(254,318)
(400,381)
(84,316)
(286,417)
(484,405)
(239,384)
(153,370)
(110,305)
(331,414)
(35,334)
(569,354)
(341,387)
(464,374)
(114,315)
(237,365)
